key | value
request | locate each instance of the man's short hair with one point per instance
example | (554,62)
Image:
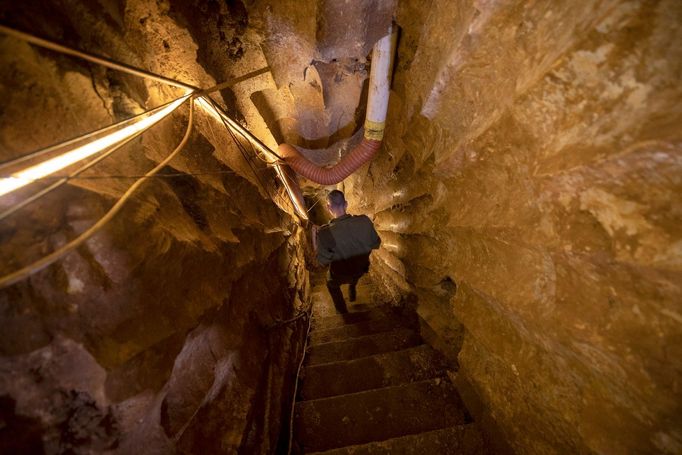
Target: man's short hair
(336,198)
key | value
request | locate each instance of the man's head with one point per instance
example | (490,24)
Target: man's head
(336,203)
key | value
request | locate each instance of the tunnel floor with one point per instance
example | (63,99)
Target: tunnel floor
(370,385)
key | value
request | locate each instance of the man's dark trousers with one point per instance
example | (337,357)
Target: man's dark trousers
(346,271)
(334,283)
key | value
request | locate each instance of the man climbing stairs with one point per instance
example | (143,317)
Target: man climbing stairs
(371,386)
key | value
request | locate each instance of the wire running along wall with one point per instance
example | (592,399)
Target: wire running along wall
(190,96)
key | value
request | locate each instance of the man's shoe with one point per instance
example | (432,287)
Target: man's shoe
(351,293)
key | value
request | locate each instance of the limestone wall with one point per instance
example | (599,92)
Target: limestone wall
(529,196)
(155,336)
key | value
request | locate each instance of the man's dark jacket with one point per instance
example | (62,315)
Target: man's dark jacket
(346,243)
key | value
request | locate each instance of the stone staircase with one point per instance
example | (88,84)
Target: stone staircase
(371,386)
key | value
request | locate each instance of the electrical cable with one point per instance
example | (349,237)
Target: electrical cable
(256,143)
(152,76)
(109,63)
(104,61)
(276,198)
(242,150)
(276,164)
(283,322)
(82,137)
(134,176)
(298,374)
(259,154)
(243,131)
(4,214)
(35,196)
(313,206)
(40,264)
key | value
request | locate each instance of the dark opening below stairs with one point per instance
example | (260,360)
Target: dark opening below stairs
(370,385)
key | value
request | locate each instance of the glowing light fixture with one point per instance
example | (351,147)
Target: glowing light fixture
(26,176)
(295,200)
(298,205)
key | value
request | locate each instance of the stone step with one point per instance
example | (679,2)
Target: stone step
(377,415)
(363,346)
(373,372)
(459,439)
(357,329)
(326,309)
(353,317)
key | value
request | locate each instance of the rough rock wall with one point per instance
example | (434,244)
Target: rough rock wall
(157,335)
(528,196)
(317,51)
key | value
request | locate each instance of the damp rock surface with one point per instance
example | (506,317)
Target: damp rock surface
(527,197)
(159,334)
(528,200)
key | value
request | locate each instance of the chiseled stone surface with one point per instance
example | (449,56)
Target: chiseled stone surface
(528,196)
(153,337)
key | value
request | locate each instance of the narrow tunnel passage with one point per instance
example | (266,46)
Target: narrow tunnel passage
(526,295)
(371,385)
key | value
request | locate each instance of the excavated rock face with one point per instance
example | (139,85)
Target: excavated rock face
(161,332)
(158,334)
(528,197)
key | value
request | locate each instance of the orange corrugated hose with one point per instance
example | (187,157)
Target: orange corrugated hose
(377,106)
(350,163)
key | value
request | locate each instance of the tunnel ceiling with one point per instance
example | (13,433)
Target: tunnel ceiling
(316,54)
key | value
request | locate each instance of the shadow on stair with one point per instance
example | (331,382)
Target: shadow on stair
(370,385)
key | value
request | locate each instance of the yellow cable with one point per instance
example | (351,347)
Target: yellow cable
(93,58)
(35,196)
(113,211)
(4,214)
(80,138)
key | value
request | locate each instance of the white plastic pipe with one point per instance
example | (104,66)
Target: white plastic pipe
(375,123)
(379,87)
